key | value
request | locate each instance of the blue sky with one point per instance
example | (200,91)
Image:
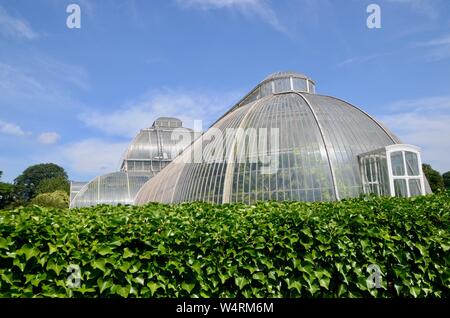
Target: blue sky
(76,97)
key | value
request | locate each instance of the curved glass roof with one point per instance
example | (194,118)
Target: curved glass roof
(153,148)
(312,158)
(113,188)
(150,151)
(284,74)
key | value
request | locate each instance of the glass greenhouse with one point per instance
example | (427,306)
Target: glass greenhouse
(150,151)
(283,141)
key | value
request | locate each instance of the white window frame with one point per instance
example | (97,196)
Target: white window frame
(387,151)
(404,148)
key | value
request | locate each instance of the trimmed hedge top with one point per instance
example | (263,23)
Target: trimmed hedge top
(270,249)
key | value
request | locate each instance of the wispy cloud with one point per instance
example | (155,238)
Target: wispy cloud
(14,81)
(249,8)
(85,158)
(15,27)
(437,49)
(361,59)
(48,138)
(91,156)
(187,106)
(11,129)
(59,71)
(423,122)
(40,81)
(427,104)
(428,8)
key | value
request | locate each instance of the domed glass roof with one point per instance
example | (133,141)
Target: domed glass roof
(285,74)
(296,145)
(150,151)
(113,188)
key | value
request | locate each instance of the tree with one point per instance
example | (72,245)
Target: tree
(53,184)
(446,177)
(6,193)
(28,182)
(57,199)
(434,178)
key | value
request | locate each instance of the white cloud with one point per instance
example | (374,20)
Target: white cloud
(86,158)
(187,106)
(48,138)
(361,59)
(15,27)
(249,8)
(92,156)
(423,7)
(42,82)
(11,129)
(435,104)
(424,122)
(15,82)
(437,49)
(58,71)
(436,42)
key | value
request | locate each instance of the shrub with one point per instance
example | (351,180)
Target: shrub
(57,199)
(54,184)
(268,249)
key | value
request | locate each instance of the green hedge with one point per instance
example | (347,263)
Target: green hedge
(202,250)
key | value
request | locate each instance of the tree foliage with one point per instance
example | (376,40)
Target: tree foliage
(57,199)
(6,193)
(53,184)
(270,249)
(434,178)
(446,177)
(28,182)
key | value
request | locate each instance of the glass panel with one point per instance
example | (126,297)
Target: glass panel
(367,168)
(400,188)
(412,163)
(312,88)
(299,84)
(349,133)
(252,97)
(398,168)
(282,85)
(266,89)
(383,173)
(414,187)
(373,174)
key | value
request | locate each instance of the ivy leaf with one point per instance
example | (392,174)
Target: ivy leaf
(103,285)
(153,287)
(127,253)
(3,243)
(188,286)
(29,251)
(415,291)
(105,250)
(139,280)
(99,263)
(259,276)
(241,282)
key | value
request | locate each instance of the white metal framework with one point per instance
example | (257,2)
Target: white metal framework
(149,152)
(394,170)
(317,156)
